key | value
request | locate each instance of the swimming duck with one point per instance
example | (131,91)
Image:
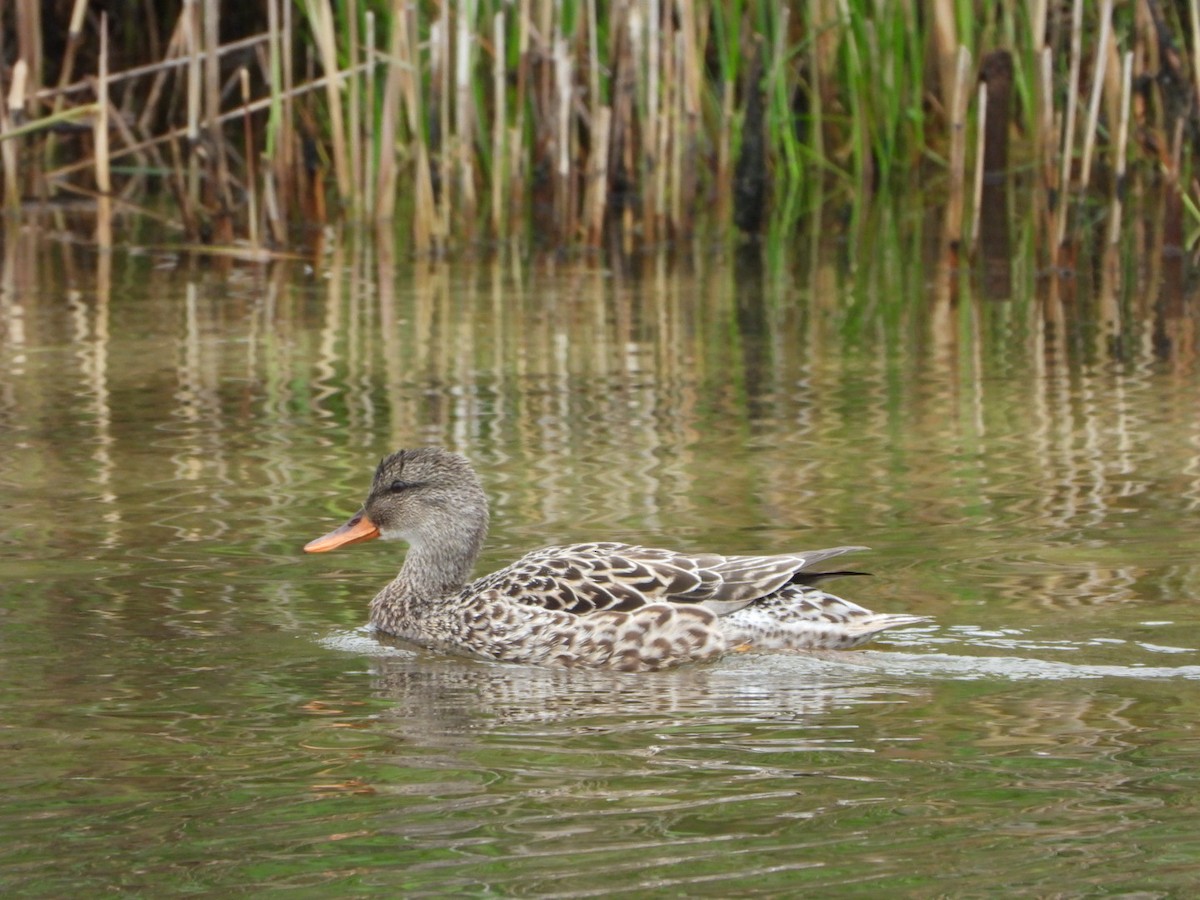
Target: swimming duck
(606,605)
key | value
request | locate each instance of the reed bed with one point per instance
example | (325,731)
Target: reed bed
(566,123)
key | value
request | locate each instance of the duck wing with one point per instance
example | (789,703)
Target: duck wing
(585,578)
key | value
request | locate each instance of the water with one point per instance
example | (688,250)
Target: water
(188,704)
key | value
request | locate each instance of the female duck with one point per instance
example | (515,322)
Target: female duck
(602,604)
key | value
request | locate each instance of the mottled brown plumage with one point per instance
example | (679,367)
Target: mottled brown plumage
(606,605)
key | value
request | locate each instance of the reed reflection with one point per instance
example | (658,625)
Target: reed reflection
(757,406)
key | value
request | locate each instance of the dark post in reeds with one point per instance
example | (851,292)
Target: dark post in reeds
(991,211)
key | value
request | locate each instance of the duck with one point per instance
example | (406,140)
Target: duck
(603,604)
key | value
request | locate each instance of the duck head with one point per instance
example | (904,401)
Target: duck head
(426,497)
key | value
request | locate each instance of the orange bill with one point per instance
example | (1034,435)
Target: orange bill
(359,528)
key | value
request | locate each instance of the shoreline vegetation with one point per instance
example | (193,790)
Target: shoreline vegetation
(573,124)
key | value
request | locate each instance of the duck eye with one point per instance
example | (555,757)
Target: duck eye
(398,486)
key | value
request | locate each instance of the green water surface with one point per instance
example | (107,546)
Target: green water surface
(189,705)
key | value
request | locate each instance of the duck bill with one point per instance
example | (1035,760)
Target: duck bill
(358,529)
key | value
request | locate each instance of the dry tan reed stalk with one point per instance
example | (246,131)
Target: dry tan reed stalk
(173,59)
(651,161)
(594,99)
(723,176)
(191,13)
(18,89)
(321,15)
(426,233)
(664,36)
(262,103)
(1068,141)
(288,165)
(117,122)
(29,48)
(669,137)
(499,128)
(177,183)
(1114,215)
(162,67)
(103,170)
(624,93)
(945,48)
(597,187)
(516,148)
(693,76)
(10,156)
(385,176)
(100,124)
(223,231)
(563,78)
(354,120)
(958,148)
(1194,10)
(464,124)
(66,71)
(980,147)
(1112,84)
(1045,133)
(1093,113)
(1037,22)
(276,173)
(370,59)
(74,39)
(595,104)
(251,177)
(271,209)
(440,75)
(678,119)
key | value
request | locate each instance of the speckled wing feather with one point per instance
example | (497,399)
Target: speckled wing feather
(585,578)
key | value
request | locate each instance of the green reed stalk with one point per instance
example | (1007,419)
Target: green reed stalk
(779,107)
(276,124)
(911,48)
(858,87)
